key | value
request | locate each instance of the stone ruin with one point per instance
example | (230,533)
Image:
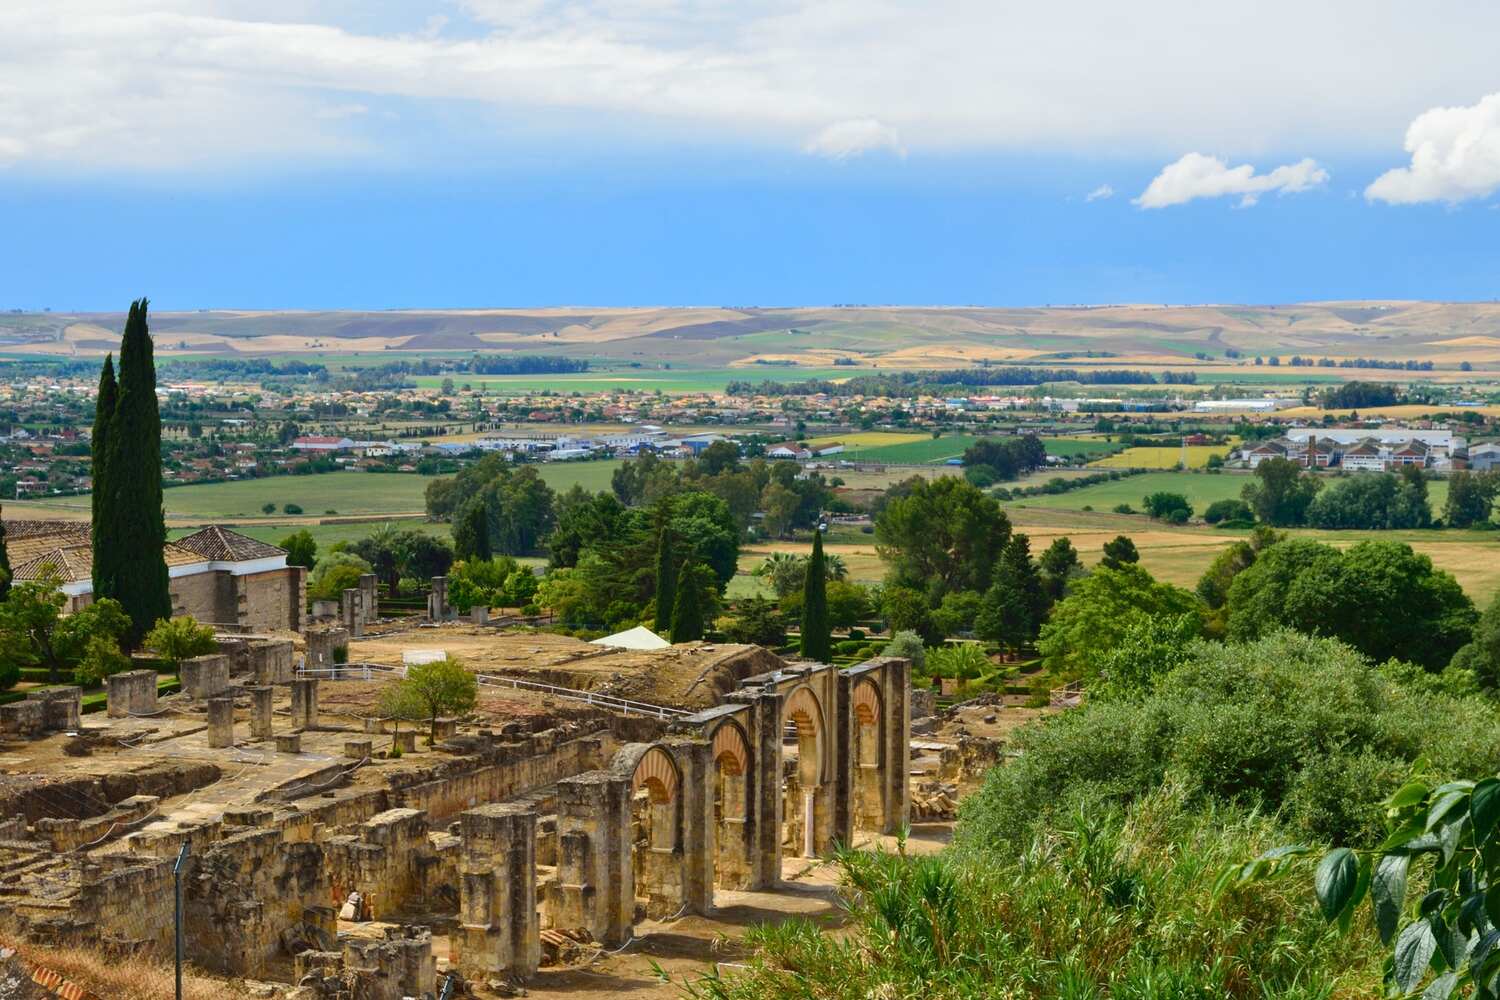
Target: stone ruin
(499,839)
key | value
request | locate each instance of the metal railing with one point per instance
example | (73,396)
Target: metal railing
(625,706)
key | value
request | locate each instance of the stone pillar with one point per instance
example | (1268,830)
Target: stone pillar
(221,722)
(897,755)
(60,707)
(118,686)
(288,742)
(595,880)
(498,928)
(271,661)
(260,711)
(204,677)
(305,703)
(766,805)
(297,613)
(697,791)
(369,595)
(322,642)
(479,614)
(437,601)
(841,729)
(352,611)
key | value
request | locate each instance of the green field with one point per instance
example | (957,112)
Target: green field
(333,493)
(672,380)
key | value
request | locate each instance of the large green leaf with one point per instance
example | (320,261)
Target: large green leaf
(1484,809)
(1442,805)
(1335,880)
(1388,893)
(1408,794)
(1441,988)
(1414,950)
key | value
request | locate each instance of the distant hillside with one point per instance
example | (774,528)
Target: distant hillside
(1445,333)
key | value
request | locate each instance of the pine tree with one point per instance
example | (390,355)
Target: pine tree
(666,581)
(5,570)
(104,412)
(687,608)
(817,636)
(137,531)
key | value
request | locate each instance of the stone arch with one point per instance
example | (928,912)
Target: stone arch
(869,719)
(656,772)
(805,713)
(656,823)
(730,802)
(731,748)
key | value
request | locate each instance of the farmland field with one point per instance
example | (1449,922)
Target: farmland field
(905,449)
(327,494)
(1163,458)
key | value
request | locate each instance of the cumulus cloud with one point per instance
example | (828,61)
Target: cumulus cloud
(1100,193)
(853,137)
(184,83)
(1199,176)
(1455,156)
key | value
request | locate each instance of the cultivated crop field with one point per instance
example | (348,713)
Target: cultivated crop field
(1163,458)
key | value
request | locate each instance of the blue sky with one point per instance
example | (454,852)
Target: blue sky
(332,154)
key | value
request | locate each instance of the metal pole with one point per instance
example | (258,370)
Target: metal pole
(177,892)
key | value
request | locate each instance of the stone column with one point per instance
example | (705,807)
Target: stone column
(765,737)
(479,614)
(305,703)
(369,595)
(203,677)
(697,792)
(499,932)
(220,722)
(595,879)
(841,729)
(897,756)
(322,642)
(352,612)
(131,692)
(437,601)
(260,711)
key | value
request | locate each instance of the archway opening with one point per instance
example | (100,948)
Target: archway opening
(731,849)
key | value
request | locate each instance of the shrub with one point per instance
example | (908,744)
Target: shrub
(908,645)
(291,508)
(1124,508)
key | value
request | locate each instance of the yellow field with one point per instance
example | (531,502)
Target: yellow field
(1403,412)
(1163,458)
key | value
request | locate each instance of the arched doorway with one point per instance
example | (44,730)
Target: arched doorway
(656,828)
(869,755)
(731,806)
(805,808)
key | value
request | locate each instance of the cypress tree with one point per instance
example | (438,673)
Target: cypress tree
(99,526)
(5,570)
(137,530)
(471,533)
(666,582)
(687,609)
(817,635)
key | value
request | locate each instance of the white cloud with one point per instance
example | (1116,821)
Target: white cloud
(1199,176)
(153,84)
(854,137)
(1455,156)
(1099,193)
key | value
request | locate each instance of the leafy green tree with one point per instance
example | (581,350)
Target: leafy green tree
(1380,597)
(817,641)
(944,535)
(1482,653)
(471,533)
(756,621)
(490,582)
(582,519)
(35,633)
(101,658)
(906,610)
(268,508)
(335,572)
(1165,506)
(1119,551)
(719,457)
(1092,620)
(176,639)
(1371,501)
(1228,510)
(666,579)
(101,524)
(1471,498)
(784,571)
(1059,564)
(1280,494)
(433,690)
(688,615)
(301,549)
(395,554)
(848,604)
(1213,586)
(1149,649)
(957,613)
(1005,614)
(780,504)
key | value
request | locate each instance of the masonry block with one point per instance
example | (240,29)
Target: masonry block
(203,677)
